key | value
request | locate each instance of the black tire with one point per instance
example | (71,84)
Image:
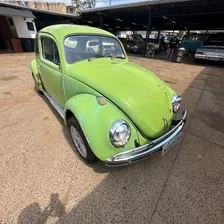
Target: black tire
(37,90)
(90,157)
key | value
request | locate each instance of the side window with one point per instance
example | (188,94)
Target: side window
(50,50)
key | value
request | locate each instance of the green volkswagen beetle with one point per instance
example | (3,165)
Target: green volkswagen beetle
(116,111)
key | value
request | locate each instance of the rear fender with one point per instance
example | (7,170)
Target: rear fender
(35,74)
(95,121)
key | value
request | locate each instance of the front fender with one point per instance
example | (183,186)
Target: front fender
(95,121)
(35,74)
(170,90)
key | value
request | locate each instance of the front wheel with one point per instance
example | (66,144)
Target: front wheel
(80,141)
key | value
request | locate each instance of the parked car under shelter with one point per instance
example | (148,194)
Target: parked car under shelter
(211,50)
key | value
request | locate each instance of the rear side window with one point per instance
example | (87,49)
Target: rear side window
(50,50)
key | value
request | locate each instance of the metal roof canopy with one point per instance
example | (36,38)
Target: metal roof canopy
(166,15)
(15,12)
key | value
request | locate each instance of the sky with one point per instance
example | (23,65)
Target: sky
(103,3)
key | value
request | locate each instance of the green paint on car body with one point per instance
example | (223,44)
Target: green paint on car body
(133,93)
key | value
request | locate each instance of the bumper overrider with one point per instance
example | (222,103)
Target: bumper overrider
(136,154)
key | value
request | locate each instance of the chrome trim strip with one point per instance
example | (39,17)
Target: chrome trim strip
(133,155)
(57,107)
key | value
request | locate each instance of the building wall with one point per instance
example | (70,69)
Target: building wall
(53,6)
(5,32)
(22,29)
(12,27)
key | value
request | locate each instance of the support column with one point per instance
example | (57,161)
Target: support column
(148,30)
(101,21)
(158,37)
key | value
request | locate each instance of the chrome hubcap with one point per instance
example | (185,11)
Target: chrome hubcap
(77,139)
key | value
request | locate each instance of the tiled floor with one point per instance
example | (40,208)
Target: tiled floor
(43,180)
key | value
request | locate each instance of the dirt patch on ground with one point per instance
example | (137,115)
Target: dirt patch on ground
(9,78)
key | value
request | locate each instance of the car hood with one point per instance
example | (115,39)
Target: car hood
(140,94)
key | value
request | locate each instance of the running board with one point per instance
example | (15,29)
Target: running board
(57,107)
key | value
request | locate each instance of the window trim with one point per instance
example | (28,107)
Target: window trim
(36,45)
(91,34)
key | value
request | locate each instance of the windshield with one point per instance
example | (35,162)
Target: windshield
(79,48)
(214,42)
(195,37)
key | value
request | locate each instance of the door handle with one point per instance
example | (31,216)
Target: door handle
(40,67)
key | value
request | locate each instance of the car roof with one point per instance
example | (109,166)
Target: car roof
(62,30)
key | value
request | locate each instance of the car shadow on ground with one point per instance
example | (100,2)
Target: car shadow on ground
(127,195)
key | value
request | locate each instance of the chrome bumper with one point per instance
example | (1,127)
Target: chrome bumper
(134,155)
(209,57)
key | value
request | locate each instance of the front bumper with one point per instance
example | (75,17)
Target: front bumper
(139,153)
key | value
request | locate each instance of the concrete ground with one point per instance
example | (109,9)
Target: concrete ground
(44,181)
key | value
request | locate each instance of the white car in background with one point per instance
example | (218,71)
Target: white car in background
(212,50)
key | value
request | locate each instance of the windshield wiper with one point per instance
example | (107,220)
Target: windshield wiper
(96,56)
(112,57)
(120,57)
(105,56)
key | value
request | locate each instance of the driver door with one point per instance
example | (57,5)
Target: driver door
(50,69)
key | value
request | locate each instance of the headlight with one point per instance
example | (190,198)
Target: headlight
(120,133)
(176,102)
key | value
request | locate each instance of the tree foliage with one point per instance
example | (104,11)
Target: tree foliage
(83,4)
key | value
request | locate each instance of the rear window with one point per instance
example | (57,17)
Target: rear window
(214,42)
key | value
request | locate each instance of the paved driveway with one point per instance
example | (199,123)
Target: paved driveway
(43,180)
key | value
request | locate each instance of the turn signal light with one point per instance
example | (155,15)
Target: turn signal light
(101,100)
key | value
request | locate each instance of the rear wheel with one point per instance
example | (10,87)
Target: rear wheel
(80,141)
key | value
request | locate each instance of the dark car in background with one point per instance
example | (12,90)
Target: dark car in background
(137,44)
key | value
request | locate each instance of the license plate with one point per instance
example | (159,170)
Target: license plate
(171,143)
(213,58)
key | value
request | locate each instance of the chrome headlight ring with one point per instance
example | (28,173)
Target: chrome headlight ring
(176,102)
(120,133)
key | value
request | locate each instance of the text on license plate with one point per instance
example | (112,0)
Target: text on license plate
(171,143)
(213,58)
